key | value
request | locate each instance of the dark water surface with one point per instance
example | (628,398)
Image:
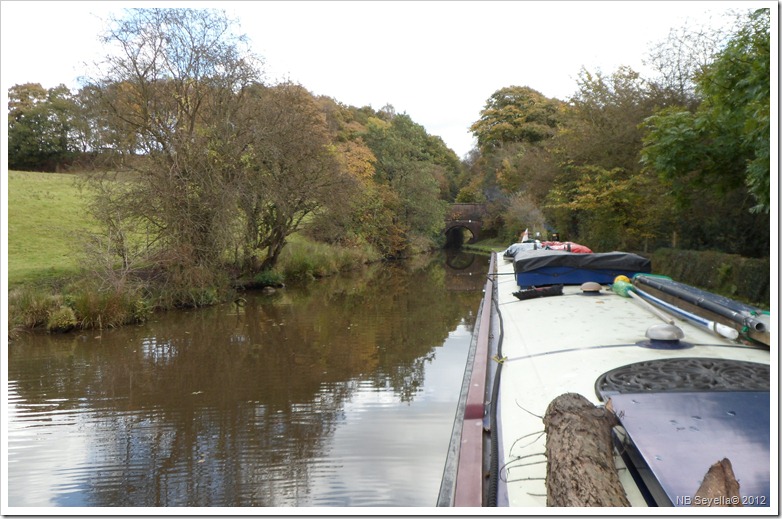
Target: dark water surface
(341,393)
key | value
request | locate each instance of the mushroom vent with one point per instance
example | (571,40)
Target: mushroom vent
(591,288)
(664,337)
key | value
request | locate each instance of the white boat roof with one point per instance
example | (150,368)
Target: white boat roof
(563,344)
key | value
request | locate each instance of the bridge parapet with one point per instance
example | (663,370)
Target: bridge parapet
(467,212)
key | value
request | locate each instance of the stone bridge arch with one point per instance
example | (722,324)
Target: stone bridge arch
(465,216)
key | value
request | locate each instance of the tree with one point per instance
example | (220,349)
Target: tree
(522,213)
(725,142)
(399,181)
(525,167)
(737,90)
(600,184)
(43,129)
(680,58)
(26,122)
(469,195)
(601,121)
(170,91)
(515,114)
(612,206)
(290,169)
(513,132)
(405,164)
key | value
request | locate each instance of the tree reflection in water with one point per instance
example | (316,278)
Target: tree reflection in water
(237,405)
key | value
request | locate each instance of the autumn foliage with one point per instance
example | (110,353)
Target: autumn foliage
(676,159)
(202,171)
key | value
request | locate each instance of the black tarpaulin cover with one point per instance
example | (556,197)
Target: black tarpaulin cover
(527,261)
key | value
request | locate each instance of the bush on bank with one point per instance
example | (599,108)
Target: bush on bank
(747,279)
(82,303)
(74,306)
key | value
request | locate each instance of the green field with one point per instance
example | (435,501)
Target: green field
(46,211)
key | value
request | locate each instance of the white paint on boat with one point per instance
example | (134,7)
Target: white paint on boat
(561,344)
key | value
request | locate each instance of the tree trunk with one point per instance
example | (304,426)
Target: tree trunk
(581,470)
(276,244)
(719,487)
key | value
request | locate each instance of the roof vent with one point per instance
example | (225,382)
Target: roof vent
(591,287)
(664,337)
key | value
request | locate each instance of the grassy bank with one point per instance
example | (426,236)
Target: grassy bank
(487,246)
(48,287)
(46,212)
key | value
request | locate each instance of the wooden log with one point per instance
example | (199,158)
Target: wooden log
(581,469)
(719,488)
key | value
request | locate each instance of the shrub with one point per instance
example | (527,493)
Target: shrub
(30,307)
(63,319)
(191,286)
(309,260)
(268,278)
(107,308)
(142,310)
(299,265)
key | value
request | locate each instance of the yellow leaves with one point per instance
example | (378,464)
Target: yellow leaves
(505,176)
(596,189)
(213,155)
(506,164)
(357,159)
(378,125)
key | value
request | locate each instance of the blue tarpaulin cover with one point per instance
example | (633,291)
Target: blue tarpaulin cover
(552,267)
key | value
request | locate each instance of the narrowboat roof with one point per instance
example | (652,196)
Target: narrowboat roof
(553,345)
(702,389)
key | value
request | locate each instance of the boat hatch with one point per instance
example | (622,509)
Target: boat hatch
(683,415)
(673,438)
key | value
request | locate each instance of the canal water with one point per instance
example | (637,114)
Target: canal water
(340,393)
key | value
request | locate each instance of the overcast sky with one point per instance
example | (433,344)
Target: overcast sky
(436,61)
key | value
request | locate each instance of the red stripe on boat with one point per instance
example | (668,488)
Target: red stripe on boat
(469,473)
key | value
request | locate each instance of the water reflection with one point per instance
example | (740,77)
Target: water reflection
(341,393)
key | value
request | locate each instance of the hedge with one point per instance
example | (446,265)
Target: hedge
(745,279)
